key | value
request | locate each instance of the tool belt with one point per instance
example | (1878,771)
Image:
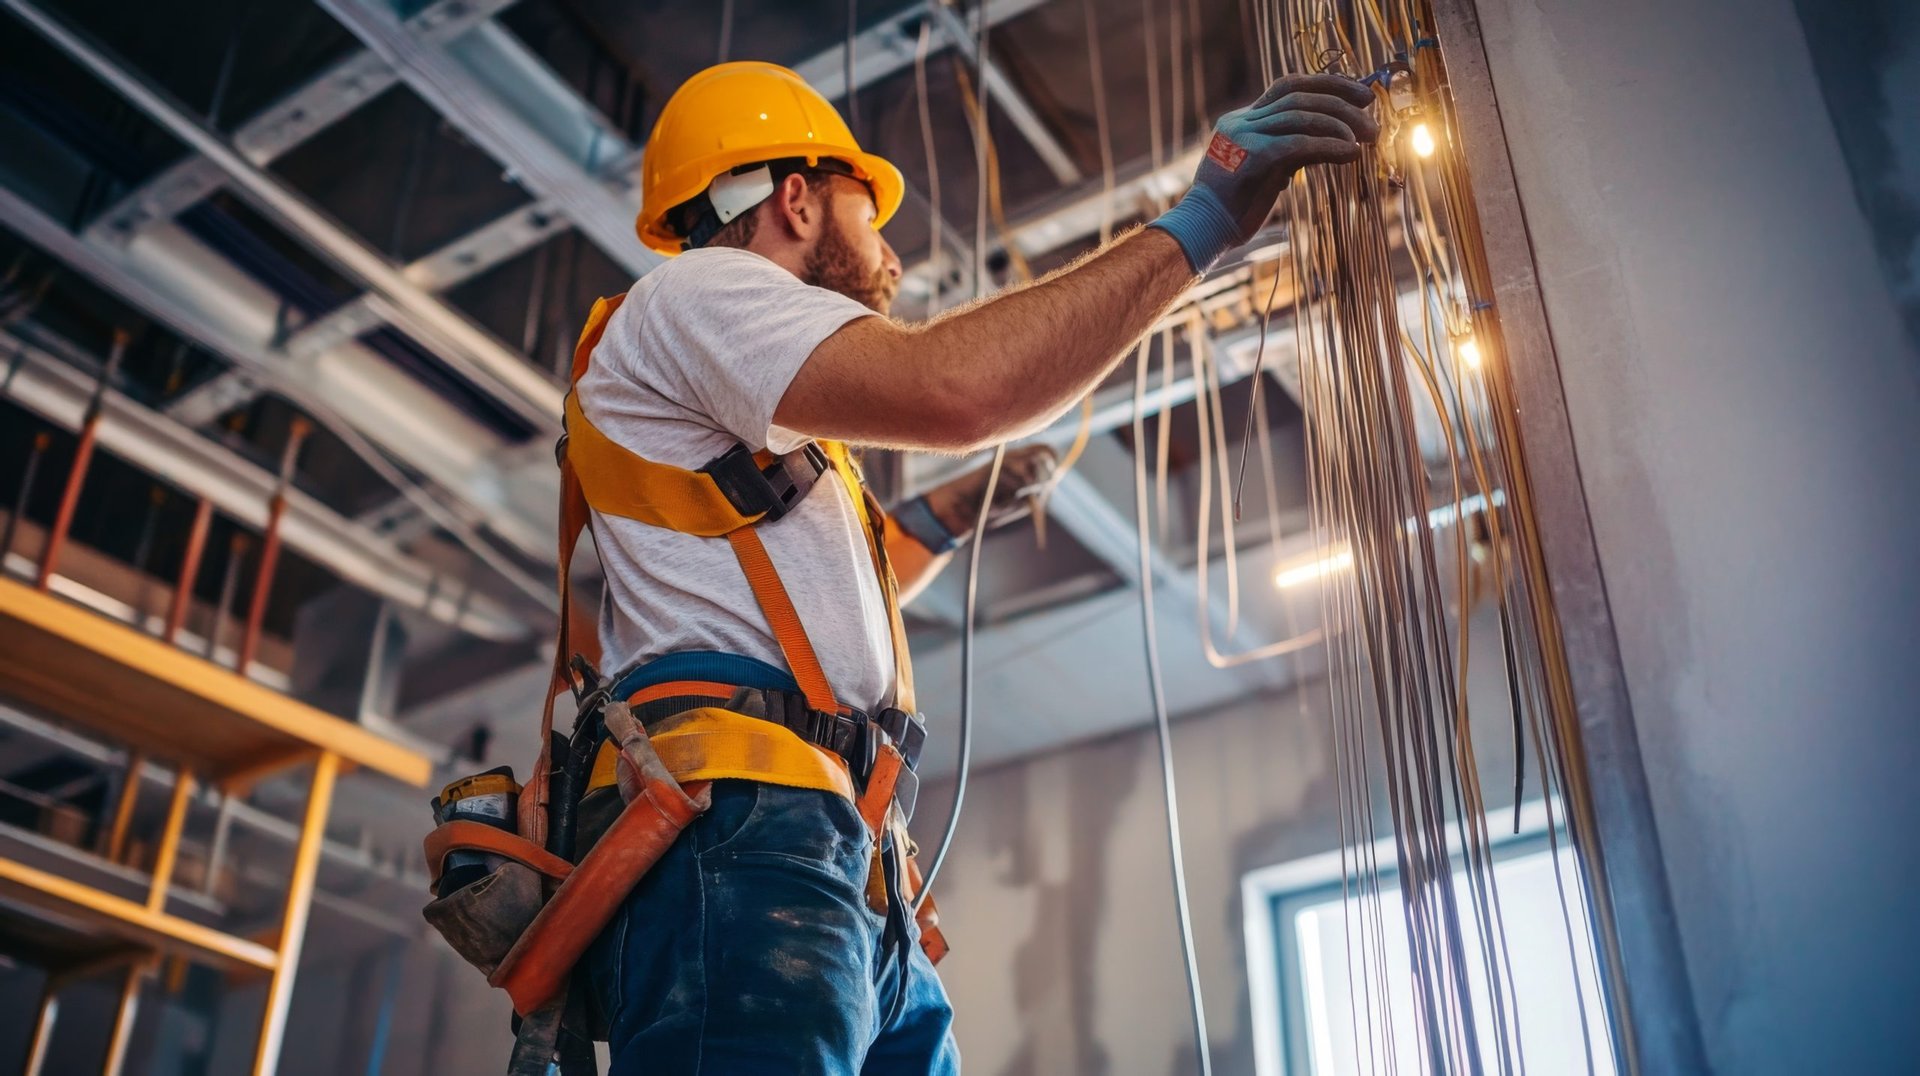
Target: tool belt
(528,922)
(606,801)
(669,687)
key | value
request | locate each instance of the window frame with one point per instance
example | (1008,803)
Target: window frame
(1271,895)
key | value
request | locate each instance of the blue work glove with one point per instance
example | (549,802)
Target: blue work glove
(1300,120)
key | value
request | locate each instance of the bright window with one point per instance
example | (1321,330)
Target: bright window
(1317,1019)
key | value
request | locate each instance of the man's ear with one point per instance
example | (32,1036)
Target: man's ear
(800,214)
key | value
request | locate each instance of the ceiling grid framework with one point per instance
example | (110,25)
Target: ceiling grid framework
(500,95)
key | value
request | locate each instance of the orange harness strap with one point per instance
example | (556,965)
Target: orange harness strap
(783,618)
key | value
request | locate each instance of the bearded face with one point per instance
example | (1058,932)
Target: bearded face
(848,262)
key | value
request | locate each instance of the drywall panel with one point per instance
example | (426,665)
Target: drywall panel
(1747,418)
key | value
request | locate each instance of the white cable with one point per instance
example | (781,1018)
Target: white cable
(966,680)
(986,500)
(1162,727)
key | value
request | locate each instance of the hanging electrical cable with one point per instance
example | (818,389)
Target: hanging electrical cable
(1401,579)
(982,148)
(965,746)
(1162,725)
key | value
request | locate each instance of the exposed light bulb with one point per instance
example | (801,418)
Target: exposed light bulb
(1313,569)
(1469,352)
(1422,140)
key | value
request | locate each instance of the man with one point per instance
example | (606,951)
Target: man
(753,946)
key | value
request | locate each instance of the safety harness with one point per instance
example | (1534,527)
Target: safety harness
(649,742)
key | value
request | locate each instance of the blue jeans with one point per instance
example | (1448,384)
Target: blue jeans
(749,948)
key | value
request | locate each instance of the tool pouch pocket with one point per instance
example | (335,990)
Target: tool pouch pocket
(481,921)
(527,923)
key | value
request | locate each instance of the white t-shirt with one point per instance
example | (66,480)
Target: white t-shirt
(695,360)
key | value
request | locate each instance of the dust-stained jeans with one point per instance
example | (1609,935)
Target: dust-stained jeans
(749,948)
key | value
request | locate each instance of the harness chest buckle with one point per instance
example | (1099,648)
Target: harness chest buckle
(771,491)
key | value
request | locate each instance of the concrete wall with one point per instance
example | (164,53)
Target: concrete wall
(1748,424)
(1058,898)
(1059,905)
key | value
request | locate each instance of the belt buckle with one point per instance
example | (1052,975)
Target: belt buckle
(907,731)
(873,736)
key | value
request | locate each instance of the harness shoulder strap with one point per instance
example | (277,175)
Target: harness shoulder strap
(599,472)
(873,525)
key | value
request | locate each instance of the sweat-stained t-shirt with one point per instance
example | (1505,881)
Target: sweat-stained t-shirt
(695,360)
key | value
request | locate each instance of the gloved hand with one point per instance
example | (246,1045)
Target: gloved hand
(1300,120)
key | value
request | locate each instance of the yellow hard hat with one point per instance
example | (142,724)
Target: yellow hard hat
(743,113)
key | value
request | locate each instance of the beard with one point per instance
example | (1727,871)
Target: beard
(834,264)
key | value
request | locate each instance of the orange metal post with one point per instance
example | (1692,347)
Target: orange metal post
(270,545)
(82,459)
(189,569)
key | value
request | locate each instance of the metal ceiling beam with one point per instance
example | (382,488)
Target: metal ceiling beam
(59,393)
(201,297)
(319,103)
(1007,97)
(454,264)
(506,101)
(887,47)
(489,364)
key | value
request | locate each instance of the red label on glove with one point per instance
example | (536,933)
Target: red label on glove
(1224,153)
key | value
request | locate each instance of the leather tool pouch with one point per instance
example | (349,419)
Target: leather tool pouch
(527,924)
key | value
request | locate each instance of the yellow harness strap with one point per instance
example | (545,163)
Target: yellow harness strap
(711,742)
(873,525)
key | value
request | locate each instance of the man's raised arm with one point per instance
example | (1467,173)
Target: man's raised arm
(999,368)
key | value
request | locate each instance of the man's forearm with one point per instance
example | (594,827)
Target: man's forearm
(1030,353)
(990,371)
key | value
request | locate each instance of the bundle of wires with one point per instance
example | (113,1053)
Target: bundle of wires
(1393,334)
(1386,331)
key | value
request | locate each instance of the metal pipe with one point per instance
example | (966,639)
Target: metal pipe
(144,547)
(41,442)
(490,365)
(1013,104)
(82,459)
(236,550)
(270,544)
(189,569)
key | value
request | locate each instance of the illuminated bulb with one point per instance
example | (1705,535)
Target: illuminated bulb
(1469,352)
(1311,570)
(1422,140)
